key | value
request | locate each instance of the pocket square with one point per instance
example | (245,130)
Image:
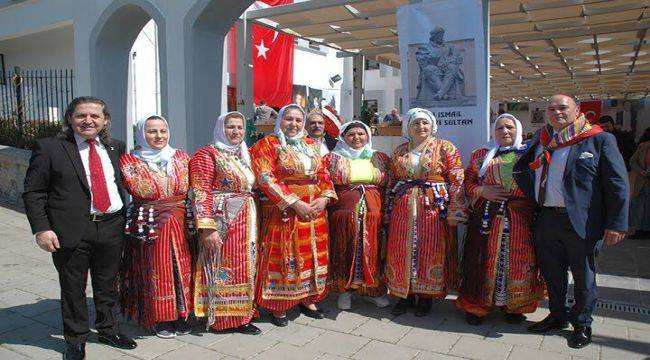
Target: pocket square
(586,155)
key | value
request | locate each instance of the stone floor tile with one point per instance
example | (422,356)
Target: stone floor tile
(44,348)
(428,355)
(344,322)
(527,353)
(294,334)
(26,303)
(515,335)
(386,330)
(639,335)
(435,341)
(103,352)
(11,321)
(200,337)
(336,343)
(331,357)
(243,346)
(557,342)
(151,347)
(28,334)
(189,351)
(6,354)
(287,352)
(478,349)
(462,328)
(385,351)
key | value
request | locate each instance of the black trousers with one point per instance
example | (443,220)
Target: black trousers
(558,247)
(99,252)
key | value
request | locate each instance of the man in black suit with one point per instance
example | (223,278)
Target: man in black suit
(74,202)
(576,175)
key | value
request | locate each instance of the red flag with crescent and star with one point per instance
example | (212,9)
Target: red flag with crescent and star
(592,110)
(272,64)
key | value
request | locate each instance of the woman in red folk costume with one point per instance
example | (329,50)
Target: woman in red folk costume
(499,265)
(360,175)
(156,276)
(226,215)
(293,262)
(427,203)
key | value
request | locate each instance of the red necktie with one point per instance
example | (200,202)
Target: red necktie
(101,200)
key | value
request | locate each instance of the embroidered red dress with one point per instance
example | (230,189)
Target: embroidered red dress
(355,223)
(499,265)
(221,186)
(293,261)
(427,188)
(155,281)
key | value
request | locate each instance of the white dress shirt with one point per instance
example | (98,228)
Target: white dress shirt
(554,177)
(109,174)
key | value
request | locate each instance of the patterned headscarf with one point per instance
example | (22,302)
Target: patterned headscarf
(345,150)
(220,140)
(152,156)
(418,113)
(517,145)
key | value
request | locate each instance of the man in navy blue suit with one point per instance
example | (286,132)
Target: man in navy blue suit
(577,177)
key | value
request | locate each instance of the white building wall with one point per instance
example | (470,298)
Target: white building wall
(52,49)
(386,81)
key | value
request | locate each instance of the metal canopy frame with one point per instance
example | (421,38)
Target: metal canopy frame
(590,48)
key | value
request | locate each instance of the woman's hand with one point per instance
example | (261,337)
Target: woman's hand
(303,210)
(318,206)
(210,239)
(494,193)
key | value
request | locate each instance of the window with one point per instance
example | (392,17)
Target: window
(313,45)
(371,65)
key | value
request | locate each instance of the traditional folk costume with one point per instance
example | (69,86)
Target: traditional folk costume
(426,191)
(293,262)
(222,181)
(360,177)
(155,281)
(499,265)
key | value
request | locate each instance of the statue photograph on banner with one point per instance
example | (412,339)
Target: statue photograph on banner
(444,63)
(444,75)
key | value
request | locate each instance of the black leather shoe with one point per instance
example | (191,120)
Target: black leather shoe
(549,323)
(74,351)
(473,319)
(314,314)
(515,319)
(249,329)
(120,341)
(580,337)
(400,307)
(423,307)
(280,321)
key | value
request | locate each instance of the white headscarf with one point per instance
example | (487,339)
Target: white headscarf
(295,140)
(418,113)
(149,155)
(345,150)
(220,140)
(493,151)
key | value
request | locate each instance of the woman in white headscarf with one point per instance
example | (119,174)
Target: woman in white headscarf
(156,271)
(427,201)
(222,182)
(499,265)
(293,262)
(360,175)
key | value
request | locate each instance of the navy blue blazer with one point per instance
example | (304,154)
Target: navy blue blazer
(596,186)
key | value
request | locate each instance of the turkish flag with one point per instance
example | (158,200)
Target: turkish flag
(272,64)
(592,110)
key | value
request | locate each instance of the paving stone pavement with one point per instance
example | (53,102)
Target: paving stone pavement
(30,322)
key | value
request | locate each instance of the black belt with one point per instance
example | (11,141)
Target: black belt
(555,209)
(103,217)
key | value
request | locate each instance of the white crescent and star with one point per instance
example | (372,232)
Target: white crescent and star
(261,49)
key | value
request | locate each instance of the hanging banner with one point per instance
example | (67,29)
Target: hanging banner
(592,110)
(443,52)
(272,63)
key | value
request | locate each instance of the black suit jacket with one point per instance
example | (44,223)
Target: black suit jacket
(57,196)
(596,187)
